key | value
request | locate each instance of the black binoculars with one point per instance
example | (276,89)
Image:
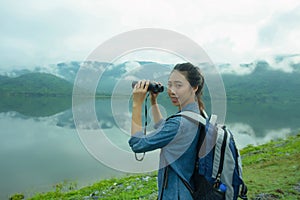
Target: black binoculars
(153,87)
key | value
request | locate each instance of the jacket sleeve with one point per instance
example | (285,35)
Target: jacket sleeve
(159,138)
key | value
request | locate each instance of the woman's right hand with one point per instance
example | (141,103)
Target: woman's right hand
(139,92)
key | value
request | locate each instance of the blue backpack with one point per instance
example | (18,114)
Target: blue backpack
(218,170)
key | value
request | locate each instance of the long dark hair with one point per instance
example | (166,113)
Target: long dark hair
(194,77)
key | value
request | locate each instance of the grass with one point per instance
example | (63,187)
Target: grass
(271,171)
(273,168)
(131,187)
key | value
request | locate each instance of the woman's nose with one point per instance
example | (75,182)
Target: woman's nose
(171,90)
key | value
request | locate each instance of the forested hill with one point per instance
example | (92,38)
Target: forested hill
(35,84)
(263,85)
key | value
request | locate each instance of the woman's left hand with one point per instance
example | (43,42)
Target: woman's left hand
(154,95)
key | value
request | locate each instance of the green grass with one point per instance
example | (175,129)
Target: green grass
(273,168)
(269,170)
(131,187)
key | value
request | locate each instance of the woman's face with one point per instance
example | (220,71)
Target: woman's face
(179,90)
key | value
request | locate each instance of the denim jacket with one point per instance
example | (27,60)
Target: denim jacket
(177,138)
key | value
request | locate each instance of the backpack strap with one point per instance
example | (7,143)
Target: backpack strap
(196,118)
(193,116)
(222,157)
(244,190)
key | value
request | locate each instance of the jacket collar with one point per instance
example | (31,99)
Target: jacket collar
(191,107)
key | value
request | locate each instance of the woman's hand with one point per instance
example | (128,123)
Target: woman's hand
(139,92)
(155,108)
(153,96)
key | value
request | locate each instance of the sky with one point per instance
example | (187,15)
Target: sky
(41,32)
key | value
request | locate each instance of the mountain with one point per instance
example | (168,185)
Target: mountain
(68,70)
(35,84)
(263,85)
(254,93)
(64,70)
(3,78)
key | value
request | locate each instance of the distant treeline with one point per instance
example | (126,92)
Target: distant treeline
(261,86)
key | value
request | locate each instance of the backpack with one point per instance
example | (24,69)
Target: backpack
(218,170)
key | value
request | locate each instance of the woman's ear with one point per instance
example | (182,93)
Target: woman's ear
(195,89)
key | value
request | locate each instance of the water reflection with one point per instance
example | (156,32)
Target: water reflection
(35,106)
(39,144)
(35,154)
(244,134)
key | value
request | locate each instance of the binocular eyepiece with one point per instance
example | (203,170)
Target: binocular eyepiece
(153,87)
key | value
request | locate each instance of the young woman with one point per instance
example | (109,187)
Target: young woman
(177,136)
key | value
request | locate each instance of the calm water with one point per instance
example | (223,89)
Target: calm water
(40,146)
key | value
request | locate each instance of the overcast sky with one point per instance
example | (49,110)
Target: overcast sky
(39,32)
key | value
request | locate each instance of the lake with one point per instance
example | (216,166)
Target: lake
(41,145)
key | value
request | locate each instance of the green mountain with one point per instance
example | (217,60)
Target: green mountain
(35,84)
(3,78)
(263,86)
(35,94)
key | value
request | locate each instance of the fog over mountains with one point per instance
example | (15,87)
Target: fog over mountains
(271,77)
(68,70)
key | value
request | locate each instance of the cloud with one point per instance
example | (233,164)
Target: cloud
(239,69)
(245,135)
(34,32)
(278,26)
(131,66)
(234,36)
(130,78)
(284,63)
(42,33)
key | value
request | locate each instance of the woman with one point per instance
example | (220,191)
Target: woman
(177,136)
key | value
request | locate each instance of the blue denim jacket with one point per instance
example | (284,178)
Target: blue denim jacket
(177,138)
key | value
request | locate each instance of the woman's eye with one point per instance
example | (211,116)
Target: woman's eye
(175,85)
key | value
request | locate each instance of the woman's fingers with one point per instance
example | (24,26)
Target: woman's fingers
(140,91)
(142,85)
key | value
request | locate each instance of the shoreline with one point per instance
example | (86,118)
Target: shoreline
(260,163)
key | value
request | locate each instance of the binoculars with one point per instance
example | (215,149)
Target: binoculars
(153,87)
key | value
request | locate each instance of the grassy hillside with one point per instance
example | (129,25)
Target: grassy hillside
(35,84)
(271,171)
